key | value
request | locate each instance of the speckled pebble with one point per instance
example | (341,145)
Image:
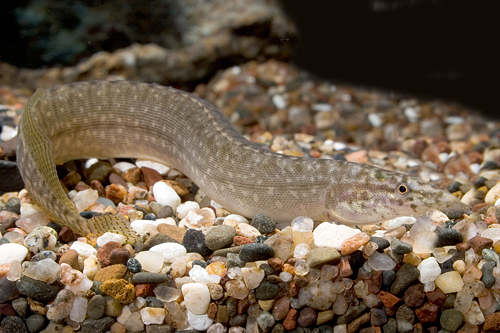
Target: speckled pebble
(194,241)
(133,265)
(147,277)
(451,320)
(263,223)
(255,251)
(219,236)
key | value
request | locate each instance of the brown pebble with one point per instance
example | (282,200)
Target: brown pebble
(71,179)
(275,263)
(97,185)
(418,328)
(414,296)
(173,231)
(281,308)
(375,282)
(121,290)
(353,243)
(81,186)
(427,313)
(180,189)
(301,281)
(165,211)
(468,328)
(293,290)
(395,233)
(70,258)
(307,317)
(117,180)
(222,315)
(111,272)
(119,256)
(243,305)
(492,322)
(388,299)
(66,235)
(472,274)
(104,251)
(212,310)
(7,310)
(290,320)
(240,240)
(132,175)
(115,193)
(462,247)
(371,330)
(437,296)
(479,243)
(345,269)
(356,323)
(151,176)
(143,290)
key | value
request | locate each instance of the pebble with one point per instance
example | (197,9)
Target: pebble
(170,251)
(96,307)
(219,236)
(166,195)
(332,235)
(263,223)
(13,324)
(12,251)
(322,255)
(405,276)
(37,290)
(255,252)
(449,282)
(35,322)
(147,277)
(196,297)
(451,320)
(194,241)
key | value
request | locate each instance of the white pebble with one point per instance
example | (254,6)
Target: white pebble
(246,230)
(110,237)
(12,251)
(196,297)
(252,276)
(28,209)
(411,114)
(491,233)
(302,223)
(450,282)
(170,251)
(79,309)
(381,261)
(162,169)
(185,207)
(150,315)
(399,221)
(332,235)
(200,274)
(375,119)
(322,107)
(150,261)
(233,219)
(429,270)
(425,242)
(142,226)
(84,199)
(84,250)
(301,251)
(165,195)
(475,167)
(7,133)
(90,162)
(493,194)
(82,287)
(91,266)
(279,101)
(199,322)
(123,166)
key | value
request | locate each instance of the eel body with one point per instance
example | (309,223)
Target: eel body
(124,119)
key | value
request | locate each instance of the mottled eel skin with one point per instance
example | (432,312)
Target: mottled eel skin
(124,119)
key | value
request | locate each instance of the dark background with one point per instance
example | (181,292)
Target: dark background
(436,48)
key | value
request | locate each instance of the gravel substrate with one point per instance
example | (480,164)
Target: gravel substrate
(200,268)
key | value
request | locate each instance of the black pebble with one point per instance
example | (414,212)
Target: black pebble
(448,236)
(154,302)
(263,223)
(150,217)
(133,265)
(13,324)
(201,263)
(488,278)
(489,165)
(55,226)
(388,278)
(260,239)
(87,214)
(266,290)
(381,242)
(455,186)
(254,252)
(480,181)
(194,241)
(35,322)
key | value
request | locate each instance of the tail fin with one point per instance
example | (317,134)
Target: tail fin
(112,223)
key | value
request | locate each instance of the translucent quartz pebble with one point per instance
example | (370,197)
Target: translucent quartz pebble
(302,223)
(110,237)
(123,166)
(30,222)
(81,288)
(233,219)
(252,276)
(150,261)
(165,195)
(301,251)
(84,199)
(200,274)
(41,239)
(12,252)
(449,282)
(14,271)
(166,293)
(425,242)
(79,309)
(28,209)
(285,276)
(464,299)
(381,262)
(491,233)
(318,295)
(399,221)
(91,266)
(422,224)
(46,270)
(301,267)
(441,255)
(84,250)
(170,251)
(429,270)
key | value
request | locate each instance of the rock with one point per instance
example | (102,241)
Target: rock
(45,270)
(236,289)
(150,278)
(378,317)
(151,176)
(37,290)
(85,250)
(266,290)
(332,235)
(414,296)
(96,306)
(353,243)
(281,308)
(492,322)
(381,262)
(255,252)
(388,299)
(449,282)
(487,269)
(322,255)
(219,236)
(173,231)
(13,324)
(382,243)
(427,313)
(318,295)
(451,320)
(429,270)
(199,322)
(70,257)
(61,308)
(282,243)
(290,320)
(406,275)
(133,265)
(152,315)
(263,223)
(119,289)
(252,276)
(12,251)
(196,297)
(119,256)
(479,243)
(20,305)
(447,236)
(400,247)
(35,323)
(171,251)
(265,320)
(111,272)
(166,195)
(96,325)
(194,241)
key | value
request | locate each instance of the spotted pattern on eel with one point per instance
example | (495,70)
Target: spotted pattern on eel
(105,119)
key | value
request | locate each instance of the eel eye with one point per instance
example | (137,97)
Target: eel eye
(402,189)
